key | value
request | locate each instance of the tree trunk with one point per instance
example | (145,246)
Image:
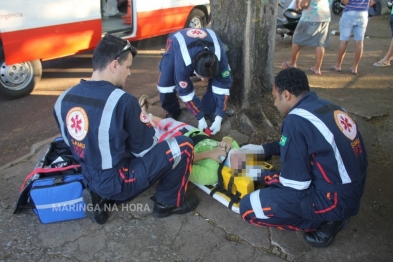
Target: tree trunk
(248,27)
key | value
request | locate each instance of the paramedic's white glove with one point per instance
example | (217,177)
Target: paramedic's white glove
(216,126)
(202,124)
(258,149)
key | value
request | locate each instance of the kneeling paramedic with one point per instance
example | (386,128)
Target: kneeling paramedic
(323,165)
(197,52)
(114,142)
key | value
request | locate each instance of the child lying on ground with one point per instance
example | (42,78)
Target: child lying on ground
(208,153)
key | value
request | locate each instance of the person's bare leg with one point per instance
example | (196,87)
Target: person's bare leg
(389,54)
(155,119)
(295,51)
(358,55)
(342,49)
(319,54)
(144,104)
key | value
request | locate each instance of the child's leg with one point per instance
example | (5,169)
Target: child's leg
(144,104)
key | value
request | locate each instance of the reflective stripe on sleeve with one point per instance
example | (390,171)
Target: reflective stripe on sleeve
(105,124)
(187,98)
(220,91)
(256,205)
(183,48)
(329,137)
(299,185)
(166,89)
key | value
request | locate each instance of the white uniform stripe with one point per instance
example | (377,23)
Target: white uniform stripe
(217,49)
(141,154)
(60,204)
(103,130)
(187,98)
(256,205)
(220,91)
(175,149)
(329,137)
(183,48)
(166,90)
(59,118)
(295,184)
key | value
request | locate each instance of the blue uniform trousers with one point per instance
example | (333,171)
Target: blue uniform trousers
(280,207)
(156,165)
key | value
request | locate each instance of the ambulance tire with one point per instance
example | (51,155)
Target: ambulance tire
(196,19)
(15,88)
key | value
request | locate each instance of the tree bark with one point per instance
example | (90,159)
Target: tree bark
(248,27)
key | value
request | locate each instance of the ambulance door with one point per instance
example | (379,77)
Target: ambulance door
(118,17)
(34,30)
(148,18)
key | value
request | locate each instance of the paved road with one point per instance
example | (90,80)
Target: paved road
(29,120)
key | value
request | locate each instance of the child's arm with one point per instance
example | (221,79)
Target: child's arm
(213,154)
(226,143)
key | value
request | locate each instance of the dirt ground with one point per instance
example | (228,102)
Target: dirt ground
(213,232)
(376,44)
(341,88)
(330,85)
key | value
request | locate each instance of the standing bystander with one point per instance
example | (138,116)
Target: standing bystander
(312,30)
(354,17)
(389,55)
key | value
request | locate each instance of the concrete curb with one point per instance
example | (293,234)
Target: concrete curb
(34,149)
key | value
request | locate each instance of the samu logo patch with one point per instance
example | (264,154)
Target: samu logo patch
(183,84)
(196,33)
(345,124)
(77,123)
(283,140)
(226,74)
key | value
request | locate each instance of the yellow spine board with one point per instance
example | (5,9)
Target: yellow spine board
(243,184)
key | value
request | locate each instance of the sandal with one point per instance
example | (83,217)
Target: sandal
(286,65)
(335,69)
(352,72)
(380,64)
(144,102)
(314,71)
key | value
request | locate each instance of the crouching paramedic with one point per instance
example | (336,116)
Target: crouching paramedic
(115,143)
(197,52)
(323,165)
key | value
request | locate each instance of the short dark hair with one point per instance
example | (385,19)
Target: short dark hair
(293,80)
(109,47)
(206,63)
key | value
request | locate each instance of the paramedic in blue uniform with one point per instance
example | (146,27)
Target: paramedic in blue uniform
(323,165)
(115,143)
(197,52)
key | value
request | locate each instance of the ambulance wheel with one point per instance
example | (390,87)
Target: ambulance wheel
(18,80)
(196,19)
